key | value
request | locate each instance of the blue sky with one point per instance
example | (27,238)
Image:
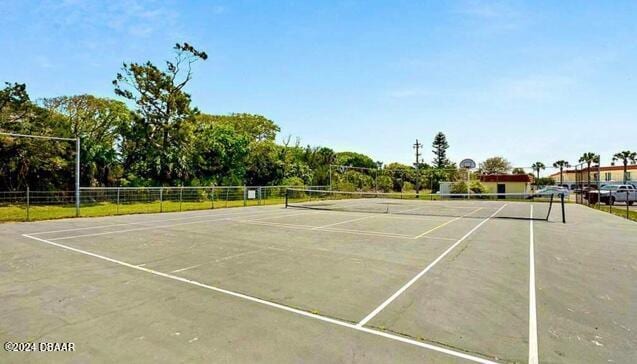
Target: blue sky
(537,80)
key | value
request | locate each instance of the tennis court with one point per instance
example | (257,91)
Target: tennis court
(463,280)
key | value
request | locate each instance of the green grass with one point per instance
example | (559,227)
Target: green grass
(618,210)
(49,212)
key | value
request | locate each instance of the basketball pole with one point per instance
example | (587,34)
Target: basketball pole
(77,160)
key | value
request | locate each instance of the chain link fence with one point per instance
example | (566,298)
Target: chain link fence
(607,189)
(31,205)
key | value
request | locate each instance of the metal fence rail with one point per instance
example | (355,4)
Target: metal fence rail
(103,201)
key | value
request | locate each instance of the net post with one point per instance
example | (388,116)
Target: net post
(286,197)
(77,176)
(181,196)
(117,202)
(212,202)
(28,203)
(563,205)
(161,199)
(627,205)
(245,196)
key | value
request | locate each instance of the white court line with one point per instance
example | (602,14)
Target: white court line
(343,222)
(150,221)
(246,253)
(226,258)
(287,215)
(185,269)
(346,324)
(413,280)
(221,218)
(309,227)
(533,347)
(446,223)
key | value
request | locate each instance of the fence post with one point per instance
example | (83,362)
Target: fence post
(245,196)
(181,196)
(627,205)
(161,199)
(28,203)
(212,203)
(286,198)
(117,203)
(260,196)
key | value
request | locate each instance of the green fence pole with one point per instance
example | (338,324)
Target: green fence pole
(245,196)
(117,203)
(181,196)
(212,203)
(28,203)
(161,199)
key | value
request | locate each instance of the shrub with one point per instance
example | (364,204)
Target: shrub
(384,183)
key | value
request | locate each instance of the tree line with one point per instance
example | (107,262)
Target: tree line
(153,136)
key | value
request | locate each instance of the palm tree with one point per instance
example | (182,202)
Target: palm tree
(589,158)
(561,164)
(537,167)
(625,156)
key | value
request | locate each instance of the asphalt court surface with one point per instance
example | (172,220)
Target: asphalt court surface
(271,284)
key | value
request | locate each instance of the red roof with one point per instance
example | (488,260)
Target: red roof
(506,178)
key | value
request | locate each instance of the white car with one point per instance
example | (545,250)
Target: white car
(553,190)
(609,194)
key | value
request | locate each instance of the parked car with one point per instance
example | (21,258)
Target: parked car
(612,193)
(552,190)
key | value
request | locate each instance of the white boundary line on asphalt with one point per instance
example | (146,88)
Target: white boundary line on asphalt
(223,213)
(533,347)
(446,223)
(346,324)
(402,289)
(314,228)
(343,222)
(219,217)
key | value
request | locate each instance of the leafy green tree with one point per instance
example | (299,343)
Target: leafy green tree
(495,165)
(263,165)
(440,146)
(36,163)
(14,103)
(518,170)
(97,122)
(354,159)
(255,127)
(218,154)
(561,164)
(155,139)
(319,160)
(589,158)
(384,183)
(625,156)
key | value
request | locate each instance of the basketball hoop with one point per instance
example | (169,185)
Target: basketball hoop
(468,164)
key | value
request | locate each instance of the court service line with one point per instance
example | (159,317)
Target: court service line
(221,218)
(272,304)
(533,347)
(309,227)
(185,269)
(343,222)
(446,223)
(153,221)
(423,272)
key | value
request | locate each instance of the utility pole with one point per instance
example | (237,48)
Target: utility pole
(417,147)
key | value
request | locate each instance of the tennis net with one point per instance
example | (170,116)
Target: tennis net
(523,206)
